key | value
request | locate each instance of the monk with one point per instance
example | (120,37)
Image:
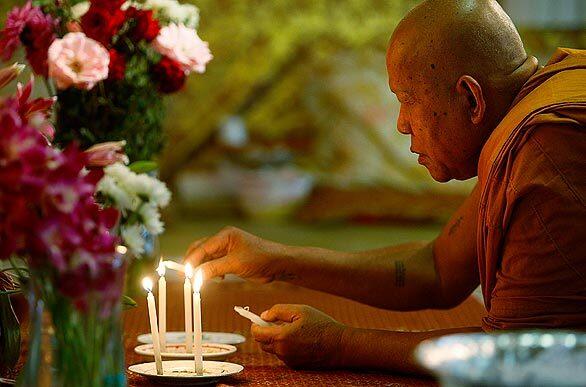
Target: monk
(474,104)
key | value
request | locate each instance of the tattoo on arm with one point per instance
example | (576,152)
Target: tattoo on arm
(455,226)
(399,274)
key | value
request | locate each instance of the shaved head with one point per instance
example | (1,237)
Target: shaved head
(457,65)
(475,37)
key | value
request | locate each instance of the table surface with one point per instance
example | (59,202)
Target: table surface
(261,369)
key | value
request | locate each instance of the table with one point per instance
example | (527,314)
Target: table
(261,369)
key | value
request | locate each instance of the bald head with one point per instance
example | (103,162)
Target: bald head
(462,61)
(475,37)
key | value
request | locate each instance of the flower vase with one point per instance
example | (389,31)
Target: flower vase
(72,346)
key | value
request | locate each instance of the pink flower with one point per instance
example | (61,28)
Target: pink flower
(15,23)
(77,60)
(184,46)
(48,214)
(107,153)
(35,112)
(34,29)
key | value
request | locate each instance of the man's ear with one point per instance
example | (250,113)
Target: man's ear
(471,90)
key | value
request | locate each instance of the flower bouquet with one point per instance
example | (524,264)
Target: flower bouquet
(109,62)
(49,219)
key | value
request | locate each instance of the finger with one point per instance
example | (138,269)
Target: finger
(265,334)
(194,245)
(212,248)
(268,348)
(215,268)
(282,312)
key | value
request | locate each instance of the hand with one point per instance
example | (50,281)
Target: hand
(304,337)
(233,251)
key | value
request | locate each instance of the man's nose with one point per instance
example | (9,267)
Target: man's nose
(403,124)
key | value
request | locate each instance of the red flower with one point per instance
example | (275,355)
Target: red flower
(108,4)
(101,23)
(144,27)
(117,67)
(169,75)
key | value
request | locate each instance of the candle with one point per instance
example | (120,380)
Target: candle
(147,283)
(187,304)
(162,305)
(175,266)
(246,313)
(197,348)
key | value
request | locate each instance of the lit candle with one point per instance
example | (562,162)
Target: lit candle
(197,348)
(147,283)
(162,305)
(187,303)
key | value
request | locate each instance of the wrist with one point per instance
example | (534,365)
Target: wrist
(343,355)
(282,261)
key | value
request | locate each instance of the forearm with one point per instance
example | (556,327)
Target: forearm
(398,278)
(386,350)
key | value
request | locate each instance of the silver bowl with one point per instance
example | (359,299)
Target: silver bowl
(526,358)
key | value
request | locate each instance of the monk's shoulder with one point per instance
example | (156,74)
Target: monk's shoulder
(554,156)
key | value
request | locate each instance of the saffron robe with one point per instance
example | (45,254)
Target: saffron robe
(531,236)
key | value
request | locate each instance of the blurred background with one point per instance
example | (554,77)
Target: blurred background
(291,132)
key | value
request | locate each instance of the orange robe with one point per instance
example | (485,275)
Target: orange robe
(532,226)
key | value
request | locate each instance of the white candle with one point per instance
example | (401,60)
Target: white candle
(175,266)
(187,304)
(197,348)
(147,283)
(246,313)
(162,306)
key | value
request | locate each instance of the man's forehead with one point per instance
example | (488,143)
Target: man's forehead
(398,67)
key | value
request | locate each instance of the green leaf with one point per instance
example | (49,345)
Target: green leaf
(128,303)
(143,166)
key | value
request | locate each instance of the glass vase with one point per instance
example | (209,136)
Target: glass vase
(71,346)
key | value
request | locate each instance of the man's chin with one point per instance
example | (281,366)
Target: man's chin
(438,174)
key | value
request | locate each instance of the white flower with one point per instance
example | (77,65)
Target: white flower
(80,9)
(110,188)
(149,189)
(183,45)
(160,194)
(119,172)
(151,218)
(132,237)
(186,14)
(138,194)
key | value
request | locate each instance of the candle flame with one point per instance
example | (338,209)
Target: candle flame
(147,284)
(161,268)
(198,282)
(188,270)
(122,250)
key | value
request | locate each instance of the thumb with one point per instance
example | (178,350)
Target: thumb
(281,312)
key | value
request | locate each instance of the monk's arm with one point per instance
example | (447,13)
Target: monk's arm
(413,276)
(386,350)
